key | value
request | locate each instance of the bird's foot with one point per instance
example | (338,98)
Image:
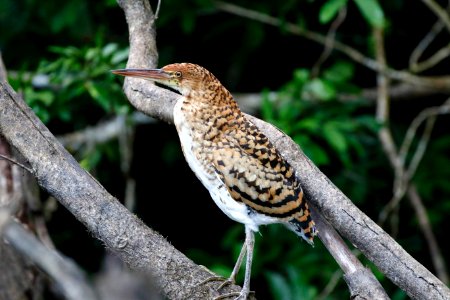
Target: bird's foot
(242,295)
(229,281)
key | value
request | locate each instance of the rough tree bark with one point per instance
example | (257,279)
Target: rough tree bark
(18,278)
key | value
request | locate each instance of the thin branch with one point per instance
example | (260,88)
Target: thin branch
(16,163)
(101,132)
(436,254)
(438,56)
(126,141)
(433,60)
(3,76)
(382,108)
(331,36)
(385,134)
(404,174)
(440,12)
(158,6)
(398,160)
(421,147)
(421,117)
(422,46)
(332,283)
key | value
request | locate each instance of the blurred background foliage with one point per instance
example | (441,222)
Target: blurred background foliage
(59,57)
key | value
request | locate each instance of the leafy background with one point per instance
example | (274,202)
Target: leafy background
(59,57)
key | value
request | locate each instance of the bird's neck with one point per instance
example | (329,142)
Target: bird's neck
(208,112)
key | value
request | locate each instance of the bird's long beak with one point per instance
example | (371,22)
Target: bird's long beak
(149,74)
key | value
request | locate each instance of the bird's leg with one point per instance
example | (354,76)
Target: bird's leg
(250,242)
(232,278)
(237,267)
(248,247)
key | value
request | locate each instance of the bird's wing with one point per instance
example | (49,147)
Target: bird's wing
(256,174)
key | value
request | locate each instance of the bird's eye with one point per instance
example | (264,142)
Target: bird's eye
(178,74)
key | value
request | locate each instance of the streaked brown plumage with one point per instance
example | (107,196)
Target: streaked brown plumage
(245,174)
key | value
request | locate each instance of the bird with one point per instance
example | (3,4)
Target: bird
(245,174)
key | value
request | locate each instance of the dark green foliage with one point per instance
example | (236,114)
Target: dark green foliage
(78,80)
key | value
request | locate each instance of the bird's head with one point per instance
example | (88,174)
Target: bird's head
(183,77)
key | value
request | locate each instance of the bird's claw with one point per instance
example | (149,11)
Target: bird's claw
(213,278)
(226,282)
(243,295)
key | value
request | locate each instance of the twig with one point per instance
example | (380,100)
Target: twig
(433,60)
(334,280)
(3,76)
(63,271)
(397,161)
(435,252)
(421,117)
(438,56)
(382,109)
(158,6)
(441,82)
(297,30)
(382,116)
(422,46)
(404,174)
(101,132)
(126,139)
(16,163)
(331,35)
(440,12)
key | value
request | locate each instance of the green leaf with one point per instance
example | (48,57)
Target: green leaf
(120,56)
(109,49)
(320,89)
(99,91)
(312,150)
(301,76)
(335,137)
(279,286)
(329,10)
(341,71)
(372,12)
(309,124)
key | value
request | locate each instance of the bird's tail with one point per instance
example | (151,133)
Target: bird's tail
(304,226)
